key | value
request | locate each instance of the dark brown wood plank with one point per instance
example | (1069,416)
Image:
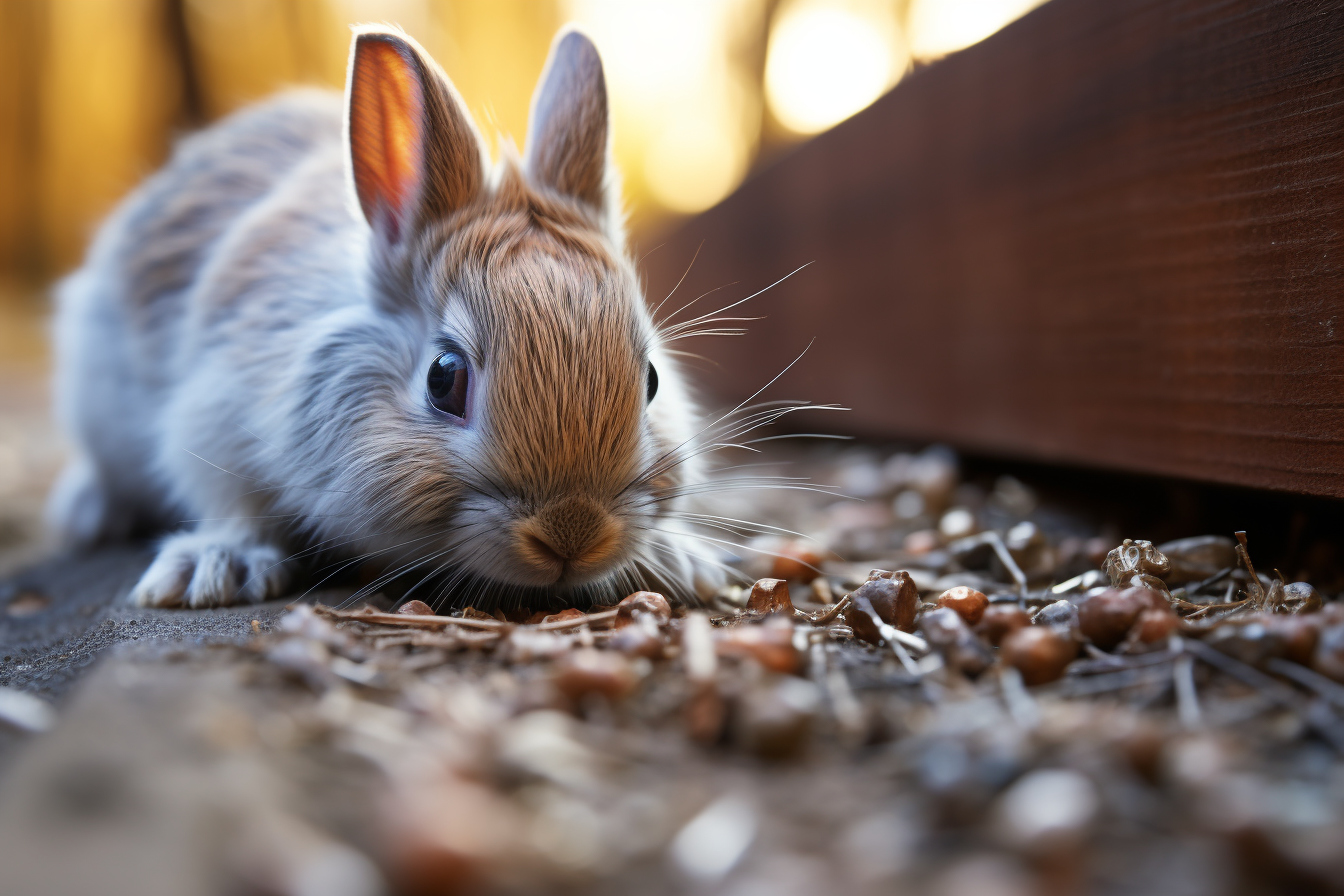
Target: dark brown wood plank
(1112,234)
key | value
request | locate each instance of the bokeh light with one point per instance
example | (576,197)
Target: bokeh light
(939,27)
(685,115)
(828,60)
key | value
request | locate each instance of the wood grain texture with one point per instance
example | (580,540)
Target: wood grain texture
(1112,234)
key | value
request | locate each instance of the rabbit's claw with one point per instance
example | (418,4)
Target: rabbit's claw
(202,569)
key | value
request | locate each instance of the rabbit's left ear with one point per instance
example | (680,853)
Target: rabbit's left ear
(567,135)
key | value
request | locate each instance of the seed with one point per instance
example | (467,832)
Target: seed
(646,602)
(769,596)
(969,603)
(1038,652)
(1000,619)
(416,608)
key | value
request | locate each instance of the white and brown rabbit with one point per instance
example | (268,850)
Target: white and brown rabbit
(339,329)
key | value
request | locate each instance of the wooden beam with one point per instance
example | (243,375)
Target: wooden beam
(1112,234)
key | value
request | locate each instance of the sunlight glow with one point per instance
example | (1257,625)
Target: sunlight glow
(826,61)
(939,27)
(685,116)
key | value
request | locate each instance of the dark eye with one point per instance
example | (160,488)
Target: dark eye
(653,381)
(447,383)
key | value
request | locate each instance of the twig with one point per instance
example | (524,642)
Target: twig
(1187,696)
(1319,717)
(825,617)
(1314,681)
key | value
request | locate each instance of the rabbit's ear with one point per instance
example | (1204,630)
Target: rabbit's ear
(415,154)
(567,145)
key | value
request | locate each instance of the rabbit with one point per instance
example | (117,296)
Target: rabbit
(336,328)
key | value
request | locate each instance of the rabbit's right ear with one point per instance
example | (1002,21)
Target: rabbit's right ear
(415,154)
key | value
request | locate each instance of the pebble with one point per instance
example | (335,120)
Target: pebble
(589,671)
(645,602)
(1105,618)
(894,596)
(1039,652)
(416,608)
(1000,619)
(968,603)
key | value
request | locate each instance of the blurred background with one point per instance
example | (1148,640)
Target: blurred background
(93,92)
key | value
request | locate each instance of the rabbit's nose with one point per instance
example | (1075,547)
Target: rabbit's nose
(571,534)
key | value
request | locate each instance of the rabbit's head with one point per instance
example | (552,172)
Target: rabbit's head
(533,435)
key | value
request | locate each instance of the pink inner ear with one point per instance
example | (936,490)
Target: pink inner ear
(386,132)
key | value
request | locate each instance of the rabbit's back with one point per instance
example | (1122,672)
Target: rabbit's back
(120,318)
(156,245)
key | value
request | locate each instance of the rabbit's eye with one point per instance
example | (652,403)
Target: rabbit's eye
(447,383)
(653,382)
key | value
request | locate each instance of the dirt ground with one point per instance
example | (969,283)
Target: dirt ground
(814,743)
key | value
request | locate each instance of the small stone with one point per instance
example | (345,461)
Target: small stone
(633,640)
(770,596)
(894,596)
(966,601)
(1156,626)
(1106,617)
(945,631)
(796,561)
(1038,652)
(770,644)
(1061,614)
(590,671)
(646,602)
(565,615)
(416,608)
(1000,619)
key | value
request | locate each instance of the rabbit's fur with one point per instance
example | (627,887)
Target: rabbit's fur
(243,356)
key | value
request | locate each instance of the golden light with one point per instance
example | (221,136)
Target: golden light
(939,27)
(827,60)
(685,118)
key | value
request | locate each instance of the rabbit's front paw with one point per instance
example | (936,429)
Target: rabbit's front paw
(203,569)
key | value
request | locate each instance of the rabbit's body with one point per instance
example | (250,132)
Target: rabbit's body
(244,355)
